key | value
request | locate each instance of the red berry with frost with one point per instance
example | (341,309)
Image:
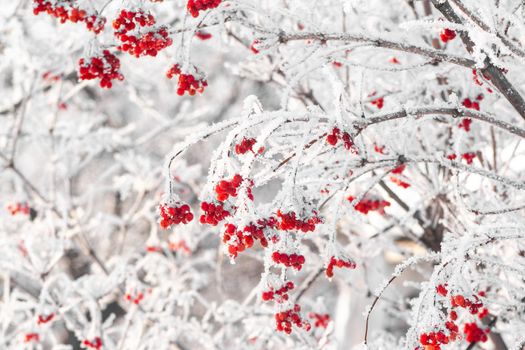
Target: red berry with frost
(174,214)
(105,67)
(186,82)
(447,35)
(378,102)
(340,263)
(367,205)
(213,213)
(195,6)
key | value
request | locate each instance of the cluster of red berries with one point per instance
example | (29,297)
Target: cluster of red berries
(474,307)
(468,103)
(245,146)
(45,319)
(18,208)
(134,299)
(225,189)
(442,290)
(334,262)
(336,135)
(95,344)
(399,182)
(213,213)
(320,320)
(465,124)
(398,171)
(202,35)
(368,204)
(187,82)
(433,340)
(239,242)
(293,260)
(257,230)
(195,6)
(378,102)
(379,149)
(148,44)
(174,215)
(285,320)
(31,337)
(447,35)
(472,332)
(105,67)
(128,20)
(281,293)
(246,237)
(64,11)
(290,222)
(468,157)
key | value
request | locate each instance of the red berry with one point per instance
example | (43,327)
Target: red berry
(447,35)
(186,82)
(105,68)
(195,6)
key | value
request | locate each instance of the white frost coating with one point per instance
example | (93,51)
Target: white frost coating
(309,102)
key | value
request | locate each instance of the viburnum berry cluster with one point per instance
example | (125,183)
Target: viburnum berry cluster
(434,130)
(202,35)
(43,319)
(18,208)
(105,67)
(340,263)
(289,222)
(286,319)
(213,213)
(468,157)
(471,331)
(378,102)
(139,36)
(237,240)
(187,82)
(280,295)
(447,35)
(399,182)
(465,124)
(247,145)
(224,189)
(320,320)
(369,204)
(468,103)
(174,214)
(293,260)
(395,179)
(31,337)
(195,6)
(134,298)
(65,10)
(336,135)
(96,343)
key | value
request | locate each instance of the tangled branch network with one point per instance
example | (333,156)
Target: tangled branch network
(262,174)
